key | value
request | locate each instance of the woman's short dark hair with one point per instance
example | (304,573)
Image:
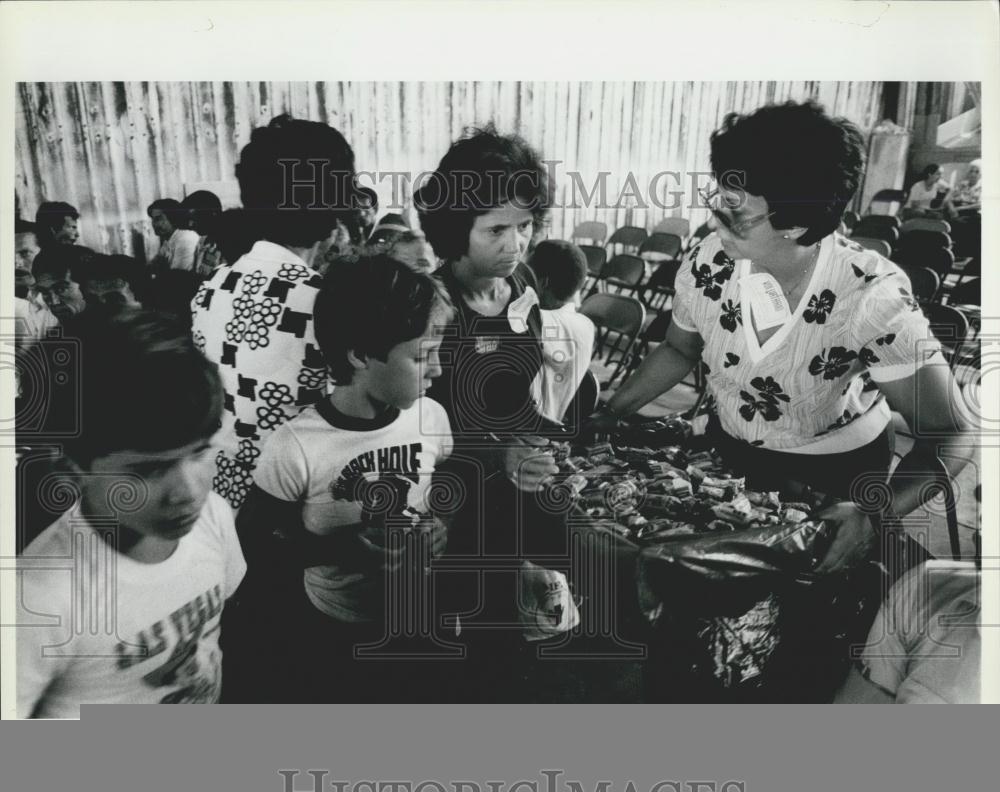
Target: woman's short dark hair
(50,217)
(171,209)
(481,171)
(805,164)
(370,305)
(297,180)
(143,385)
(929,171)
(561,264)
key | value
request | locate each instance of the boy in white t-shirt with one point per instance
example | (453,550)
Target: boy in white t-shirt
(347,480)
(560,269)
(121,598)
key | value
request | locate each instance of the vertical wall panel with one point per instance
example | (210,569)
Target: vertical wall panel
(112,148)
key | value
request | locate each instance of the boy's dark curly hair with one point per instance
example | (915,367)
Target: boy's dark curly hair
(368,306)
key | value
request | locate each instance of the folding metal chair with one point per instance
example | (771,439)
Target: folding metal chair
(969,292)
(940,260)
(872,227)
(920,239)
(680,226)
(950,326)
(659,288)
(924,283)
(624,273)
(851,219)
(630,238)
(597,257)
(619,315)
(593,230)
(661,247)
(880,246)
(924,224)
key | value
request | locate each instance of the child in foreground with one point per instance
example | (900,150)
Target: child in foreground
(340,478)
(122,596)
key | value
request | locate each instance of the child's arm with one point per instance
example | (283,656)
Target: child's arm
(263,515)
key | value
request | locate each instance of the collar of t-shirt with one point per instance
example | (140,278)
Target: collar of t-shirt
(339,420)
(272,251)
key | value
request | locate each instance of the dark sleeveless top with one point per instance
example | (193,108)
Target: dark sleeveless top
(488,369)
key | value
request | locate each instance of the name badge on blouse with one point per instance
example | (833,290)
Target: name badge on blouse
(767,301)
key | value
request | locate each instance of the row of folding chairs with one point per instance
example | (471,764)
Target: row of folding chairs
(629,238)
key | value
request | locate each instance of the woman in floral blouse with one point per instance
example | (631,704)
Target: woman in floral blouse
(810,341)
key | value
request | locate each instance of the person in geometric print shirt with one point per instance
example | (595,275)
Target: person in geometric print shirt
(810,342)
(121,598)
(255,318)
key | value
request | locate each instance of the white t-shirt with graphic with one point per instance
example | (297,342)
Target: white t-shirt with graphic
(96,627)
(567,346)
(351,473)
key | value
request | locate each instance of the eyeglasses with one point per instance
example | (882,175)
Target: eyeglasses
(711,197)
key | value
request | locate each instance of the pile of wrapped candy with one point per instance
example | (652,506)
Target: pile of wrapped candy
(649,494)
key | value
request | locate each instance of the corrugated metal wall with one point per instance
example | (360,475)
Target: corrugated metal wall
(111,148)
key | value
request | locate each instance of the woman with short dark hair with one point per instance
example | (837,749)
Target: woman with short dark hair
(810,341)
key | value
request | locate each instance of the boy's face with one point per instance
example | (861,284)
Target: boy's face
(173,489)
(61,293)
(69,233)
(407,372)
(162,227)
(498,241)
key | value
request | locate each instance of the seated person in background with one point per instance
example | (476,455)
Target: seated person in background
(107,282)
(177,242)
(161,564)
(927,194)
(560,269)
(924,646)
(338,476)
(58,272)
(963,208)
(203,209)
(57,223)
(968,196)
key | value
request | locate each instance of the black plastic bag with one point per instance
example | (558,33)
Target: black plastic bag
(726,573)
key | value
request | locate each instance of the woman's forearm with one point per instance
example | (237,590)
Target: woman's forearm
(663,368)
